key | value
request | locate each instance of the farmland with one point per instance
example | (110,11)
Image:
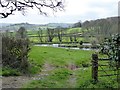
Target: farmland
(67,35)
(59,68)
(68,68)
(63,66)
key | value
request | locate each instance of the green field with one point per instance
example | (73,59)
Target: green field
(34,36)
(65,68)
(62,75)
(59,57)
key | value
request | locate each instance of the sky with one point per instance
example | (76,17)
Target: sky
(75,10)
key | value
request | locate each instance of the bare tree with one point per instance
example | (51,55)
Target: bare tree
(8,7)
(40,34)
(71,39)
(75,37)
(59,33)
(50,33)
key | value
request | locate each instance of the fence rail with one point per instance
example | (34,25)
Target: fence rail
(95,65)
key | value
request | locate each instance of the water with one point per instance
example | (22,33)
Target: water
(87,44)
(57,46)
(50,45)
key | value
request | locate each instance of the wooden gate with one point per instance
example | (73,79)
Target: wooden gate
(102,68)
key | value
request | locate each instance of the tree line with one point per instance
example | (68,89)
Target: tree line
(58,33)
(100,28)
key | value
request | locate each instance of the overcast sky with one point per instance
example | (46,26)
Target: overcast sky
(75,10)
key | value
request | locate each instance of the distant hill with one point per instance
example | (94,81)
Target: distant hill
(28,26)
(8,26)
(4,24)
(63,25)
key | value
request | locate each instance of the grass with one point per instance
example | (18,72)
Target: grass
(61,76)
(84,80)
(56,79)
(55,39)
(74,30)
(60,59)
(31,35)
(58,56)
(9,72)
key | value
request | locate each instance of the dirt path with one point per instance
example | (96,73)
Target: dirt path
(14,82)
(72,81)
(19,81)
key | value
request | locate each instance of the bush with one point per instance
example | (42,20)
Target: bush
(10,72)
(15,51)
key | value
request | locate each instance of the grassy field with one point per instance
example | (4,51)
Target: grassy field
(59,57)
(32,36)
(63,75)
(69,68)
(64,68)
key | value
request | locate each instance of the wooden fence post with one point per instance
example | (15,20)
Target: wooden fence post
(95,67)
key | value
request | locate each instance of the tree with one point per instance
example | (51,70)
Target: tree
(71,39)
(78,24)
(21,33)
(101,28)
(50,33)
(8,7)
(75,37)
(40,34)
(59,33)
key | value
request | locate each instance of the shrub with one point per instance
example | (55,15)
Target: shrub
(15,50)
(10,72)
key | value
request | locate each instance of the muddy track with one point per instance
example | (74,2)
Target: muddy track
(19,81)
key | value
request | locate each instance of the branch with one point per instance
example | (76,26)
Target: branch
(4,5)
(5,15)
(21,5)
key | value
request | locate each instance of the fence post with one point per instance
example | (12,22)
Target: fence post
(95,67)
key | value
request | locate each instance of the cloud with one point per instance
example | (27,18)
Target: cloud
(75,10)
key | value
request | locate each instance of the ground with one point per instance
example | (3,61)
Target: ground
(19,81)
(61,68)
